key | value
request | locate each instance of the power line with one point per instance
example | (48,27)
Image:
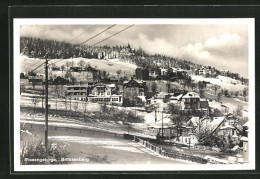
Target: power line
(32,66)
(90,39)
(82,33)
(52,64)
(97,35)
(37,67)
(113,35)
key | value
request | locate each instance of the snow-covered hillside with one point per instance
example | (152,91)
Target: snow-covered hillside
(222,81)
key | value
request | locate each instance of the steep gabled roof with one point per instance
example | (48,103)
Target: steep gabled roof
(134,81)
(191,95)
(204,124)
(194,121)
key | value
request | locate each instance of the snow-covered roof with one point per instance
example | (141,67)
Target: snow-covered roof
(176,97)
(142,98)
(194,121)
(246,124)
(75,86)
(244,138)
(111,85)
(206,123)
(216,122)
(227,127)
(162,69)
(191,95)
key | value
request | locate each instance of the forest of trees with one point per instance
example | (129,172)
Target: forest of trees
(42,48)
(51,49)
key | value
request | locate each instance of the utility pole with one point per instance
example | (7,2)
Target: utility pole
(42,96)
(46,104)
(162,124)
(168,82)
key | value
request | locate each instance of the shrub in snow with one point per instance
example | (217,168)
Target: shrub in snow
(33,152)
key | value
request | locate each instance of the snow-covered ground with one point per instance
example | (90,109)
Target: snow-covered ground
(111,65)
(115,150)
(222,81)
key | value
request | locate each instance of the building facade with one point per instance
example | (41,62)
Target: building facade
(104,94)
(77,92)
(190,101)
(133,90)
(35,79)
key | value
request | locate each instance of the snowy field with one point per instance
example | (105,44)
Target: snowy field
(111,65)
(224,82)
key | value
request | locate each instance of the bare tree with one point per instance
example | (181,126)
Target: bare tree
(219,97)
(84,107)
(238,112)
(81,64)
(245,93)
(35,101)
(75,106)
(118,73)
(62,69)
(70,103)
(67,64)
(215,88)
(73,79)
(177,116)
(154,87)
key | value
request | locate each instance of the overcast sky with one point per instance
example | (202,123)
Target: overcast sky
(221,46)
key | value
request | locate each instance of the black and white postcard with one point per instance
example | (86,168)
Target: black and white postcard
(134,94)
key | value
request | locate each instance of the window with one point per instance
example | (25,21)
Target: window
(245,147)
(114,99)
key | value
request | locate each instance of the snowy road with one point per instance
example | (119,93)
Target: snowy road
(116,150)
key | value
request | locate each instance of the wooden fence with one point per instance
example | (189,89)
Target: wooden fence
(170,154)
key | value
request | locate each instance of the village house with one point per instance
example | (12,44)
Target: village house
(190,101)
(163,72)
(176,98)
(133,92)
(127,51)
(224,72)
(163,127)
(204,107)
(103,94)
(197,125)
(77,92)
(35,79)
(228,130)
(231,119)
(205,71)
(56,68)
(110,54)
(87,73)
